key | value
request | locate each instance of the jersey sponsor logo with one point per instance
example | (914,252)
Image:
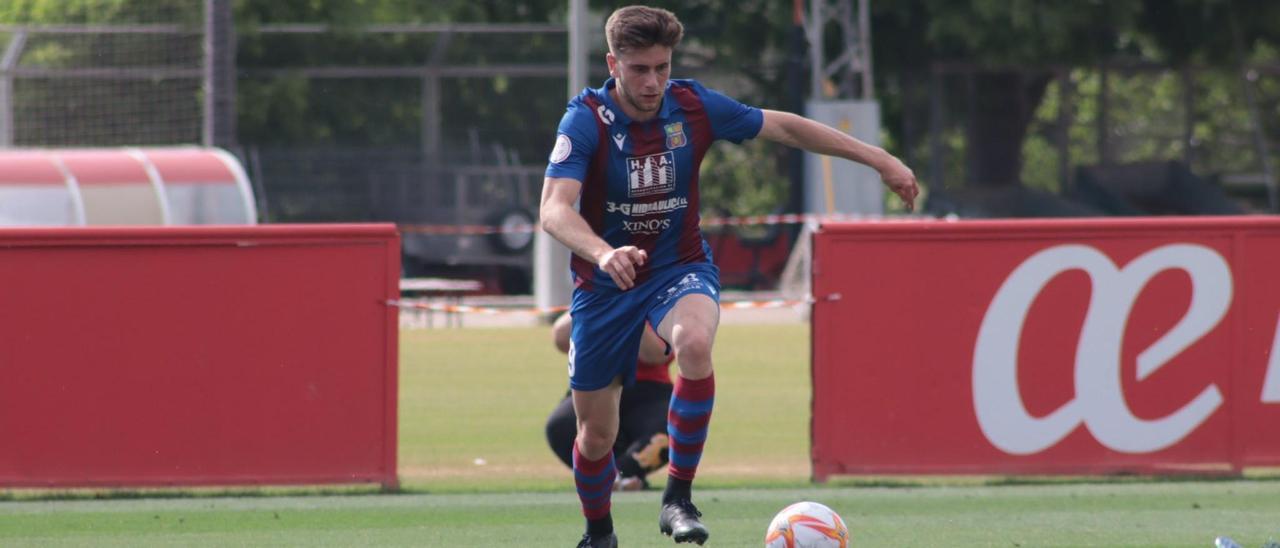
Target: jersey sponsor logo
(675,135)
(619,139)
(562,149)
(649,175)
(605,115)
(651,226)
(660,207)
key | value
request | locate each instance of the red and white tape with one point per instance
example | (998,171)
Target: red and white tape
(775,303)
(489,310)
(750,220)
(468,309)
(465,230)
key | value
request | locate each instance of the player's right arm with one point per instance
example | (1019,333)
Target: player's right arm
(561,220)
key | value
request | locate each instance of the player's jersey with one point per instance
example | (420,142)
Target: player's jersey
(640,179)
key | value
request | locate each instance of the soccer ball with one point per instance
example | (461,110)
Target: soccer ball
(807,525)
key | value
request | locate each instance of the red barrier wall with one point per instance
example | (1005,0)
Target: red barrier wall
(1071,346)
(198,355)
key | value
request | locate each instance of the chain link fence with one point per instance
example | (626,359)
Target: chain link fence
(451,123)
(136,82)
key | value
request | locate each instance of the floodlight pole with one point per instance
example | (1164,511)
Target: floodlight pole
(551,285)
(9,62)
(219,75)
(853,63)
(842,95)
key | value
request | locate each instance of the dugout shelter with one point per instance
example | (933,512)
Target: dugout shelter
(124,186)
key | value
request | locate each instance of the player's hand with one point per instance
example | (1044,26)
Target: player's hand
(899,178)
(621,263)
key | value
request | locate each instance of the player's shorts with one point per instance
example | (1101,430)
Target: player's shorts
(607,326)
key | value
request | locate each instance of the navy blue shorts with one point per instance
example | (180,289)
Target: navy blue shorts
(607,326)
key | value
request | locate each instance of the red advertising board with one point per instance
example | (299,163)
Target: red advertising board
(198,355)
(1063,346)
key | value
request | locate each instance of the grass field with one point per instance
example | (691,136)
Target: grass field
(496,386)
(476,472)
(1163,514)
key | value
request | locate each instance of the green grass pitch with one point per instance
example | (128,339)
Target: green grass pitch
(476,472)
(1164,514)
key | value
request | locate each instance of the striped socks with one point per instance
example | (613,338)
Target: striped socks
(594,479)
(687,420)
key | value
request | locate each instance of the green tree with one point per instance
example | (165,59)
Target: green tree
(291,109)
(1010,38)
(742,43)
(100,11)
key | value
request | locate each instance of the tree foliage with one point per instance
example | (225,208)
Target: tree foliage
(100,11)
(741,44)
(1013,44)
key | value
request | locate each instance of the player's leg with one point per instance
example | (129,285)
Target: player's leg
(690,327)
(562,430)
(689,324)
(606,328)
(593,466)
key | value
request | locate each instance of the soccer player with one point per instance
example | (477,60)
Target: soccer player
(641,447)
(631,151)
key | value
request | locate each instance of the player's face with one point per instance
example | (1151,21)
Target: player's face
(641,77)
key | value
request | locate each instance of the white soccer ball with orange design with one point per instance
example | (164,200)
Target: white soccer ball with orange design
(807,525)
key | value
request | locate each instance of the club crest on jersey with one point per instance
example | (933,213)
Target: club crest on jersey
(649,175)
(675,135)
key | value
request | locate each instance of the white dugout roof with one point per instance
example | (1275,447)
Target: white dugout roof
(123,186)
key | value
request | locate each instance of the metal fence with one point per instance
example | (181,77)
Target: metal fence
(97,85)
(450,123)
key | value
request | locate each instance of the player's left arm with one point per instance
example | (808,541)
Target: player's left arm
(800,132)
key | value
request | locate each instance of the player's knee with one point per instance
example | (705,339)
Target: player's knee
(693,345)
(594,443)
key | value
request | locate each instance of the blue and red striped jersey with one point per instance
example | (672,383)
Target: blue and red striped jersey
(640,179)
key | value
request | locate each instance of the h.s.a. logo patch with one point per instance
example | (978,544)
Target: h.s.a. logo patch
(652,174)
(675,135)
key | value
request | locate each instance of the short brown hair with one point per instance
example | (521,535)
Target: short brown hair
(642,27)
